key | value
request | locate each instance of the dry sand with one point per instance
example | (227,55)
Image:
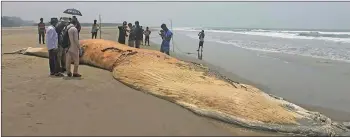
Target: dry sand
(36,104)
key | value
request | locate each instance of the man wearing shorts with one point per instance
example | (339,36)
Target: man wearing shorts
(201,40)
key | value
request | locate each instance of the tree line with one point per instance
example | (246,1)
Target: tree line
(8,21)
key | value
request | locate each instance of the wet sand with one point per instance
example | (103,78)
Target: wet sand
(315,84)
(35,104)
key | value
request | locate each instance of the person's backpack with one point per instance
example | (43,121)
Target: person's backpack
(64,37)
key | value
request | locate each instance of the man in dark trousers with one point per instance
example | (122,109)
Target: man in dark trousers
(122,33)
(147,32)
(61,57)
(41,31)
(94,29)
(52,39)
(138,34)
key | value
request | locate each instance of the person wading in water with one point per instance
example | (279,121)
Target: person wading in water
(201,40)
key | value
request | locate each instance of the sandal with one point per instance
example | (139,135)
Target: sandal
(76,75)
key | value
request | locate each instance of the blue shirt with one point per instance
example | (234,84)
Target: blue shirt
(51,38)
(167,37)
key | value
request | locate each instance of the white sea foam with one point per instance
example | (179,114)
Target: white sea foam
(310,49)
(327,36)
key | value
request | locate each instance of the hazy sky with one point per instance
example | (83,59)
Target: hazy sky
(324,15)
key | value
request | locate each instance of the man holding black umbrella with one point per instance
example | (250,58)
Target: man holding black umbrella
(73,50)
(78,25)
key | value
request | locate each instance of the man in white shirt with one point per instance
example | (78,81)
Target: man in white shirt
(51,43)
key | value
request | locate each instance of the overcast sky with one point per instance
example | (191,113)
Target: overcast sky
(323,15)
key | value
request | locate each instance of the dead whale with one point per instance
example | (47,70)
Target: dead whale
(194,87)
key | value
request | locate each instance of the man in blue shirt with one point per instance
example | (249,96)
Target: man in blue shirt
(167,35)
(51,43)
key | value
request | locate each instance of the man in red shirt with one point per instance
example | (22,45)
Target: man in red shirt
(41,31)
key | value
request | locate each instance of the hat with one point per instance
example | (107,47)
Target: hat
(53,20)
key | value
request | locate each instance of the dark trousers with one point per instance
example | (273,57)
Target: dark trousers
(141,41)
(61,57)
(137,43)
(94,34)
(121,41)
(42,37)
(147,40)
(53,61)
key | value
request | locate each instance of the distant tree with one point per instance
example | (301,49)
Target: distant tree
(8,21)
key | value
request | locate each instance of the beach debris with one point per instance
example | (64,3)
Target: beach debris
(200,90)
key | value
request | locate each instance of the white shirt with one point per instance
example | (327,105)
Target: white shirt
(51,38)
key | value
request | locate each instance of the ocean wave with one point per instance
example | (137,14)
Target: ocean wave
(319,34)
(341,53)
(310,35)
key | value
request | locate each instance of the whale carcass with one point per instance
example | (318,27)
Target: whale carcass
(194,87)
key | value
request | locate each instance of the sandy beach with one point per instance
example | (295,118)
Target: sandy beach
(36,104)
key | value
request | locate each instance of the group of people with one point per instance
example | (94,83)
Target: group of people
(61,54)
(62,40)
(135,36)
(134,33)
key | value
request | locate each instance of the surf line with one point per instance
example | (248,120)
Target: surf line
(172,40)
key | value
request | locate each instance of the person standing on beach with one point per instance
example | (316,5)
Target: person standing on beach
(73,50)
(51,43)
(147,33)
(78,26)
(201,40)
(94,29)
(41,31)
(138,34)
(167,35)
(122,33)
(61,57)
(131,41)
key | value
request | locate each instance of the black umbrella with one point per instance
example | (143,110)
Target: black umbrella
(73,12)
